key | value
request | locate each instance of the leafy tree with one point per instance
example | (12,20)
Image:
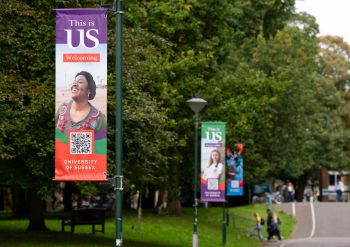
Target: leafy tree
(277,102)
(258,66)
(204,41)
(27,99)
(335,65)
(306,121)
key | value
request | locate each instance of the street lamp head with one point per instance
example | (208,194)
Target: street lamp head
(196,104)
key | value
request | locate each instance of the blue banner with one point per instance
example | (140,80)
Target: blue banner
(234,182)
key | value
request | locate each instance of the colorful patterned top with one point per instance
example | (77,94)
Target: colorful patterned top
(95,120)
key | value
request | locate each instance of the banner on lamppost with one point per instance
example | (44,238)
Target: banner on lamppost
(81,95)
(212,162)
(235,170)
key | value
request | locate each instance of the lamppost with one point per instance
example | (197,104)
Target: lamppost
(119,124)
(118,178)
(196,104)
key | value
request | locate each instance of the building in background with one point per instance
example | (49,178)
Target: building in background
(328,181)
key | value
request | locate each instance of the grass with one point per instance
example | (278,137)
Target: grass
(155,231)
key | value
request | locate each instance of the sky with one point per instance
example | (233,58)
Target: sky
(333,16)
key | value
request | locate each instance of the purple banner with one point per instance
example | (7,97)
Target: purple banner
(212,162)
(85,27)
(81,95)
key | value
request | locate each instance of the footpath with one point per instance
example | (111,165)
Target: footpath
(303,222)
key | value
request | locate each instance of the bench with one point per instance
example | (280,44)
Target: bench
(85,216)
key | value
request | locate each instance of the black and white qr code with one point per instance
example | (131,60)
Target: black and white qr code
(80,142)
(213,184)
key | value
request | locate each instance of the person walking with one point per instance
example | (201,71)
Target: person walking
(273,222)
(340,190)
(290,191)
(258,226)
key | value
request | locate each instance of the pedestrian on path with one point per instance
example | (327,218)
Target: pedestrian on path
(290,191)
(273,222)
(259,222)
(340,190)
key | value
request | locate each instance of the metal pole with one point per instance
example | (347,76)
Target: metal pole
(195,212)
(224,223)
(119,125)
(196,104)
(270,202)
(227,216)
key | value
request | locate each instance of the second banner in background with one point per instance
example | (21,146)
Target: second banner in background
(213,162)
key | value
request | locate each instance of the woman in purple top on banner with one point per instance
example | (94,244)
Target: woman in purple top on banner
(77,113)
(215,168)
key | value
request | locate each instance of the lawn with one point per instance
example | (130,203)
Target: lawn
(155,231)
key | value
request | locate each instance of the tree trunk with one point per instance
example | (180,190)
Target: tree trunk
(19,206)
(67,197)
(300,187)
(174,203)
(2,199)
(36,212)
(175,208)
(139,212)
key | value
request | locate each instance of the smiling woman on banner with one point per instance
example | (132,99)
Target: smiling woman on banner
(215,168)
(77,113)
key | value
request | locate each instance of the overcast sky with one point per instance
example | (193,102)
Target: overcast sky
(333,16)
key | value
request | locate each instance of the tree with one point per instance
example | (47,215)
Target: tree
(335,64)
(257,65)
(279,105)
(203,42)
(27,100)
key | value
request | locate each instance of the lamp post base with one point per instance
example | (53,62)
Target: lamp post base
(194,240)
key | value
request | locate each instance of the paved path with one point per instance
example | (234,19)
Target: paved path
(318,225)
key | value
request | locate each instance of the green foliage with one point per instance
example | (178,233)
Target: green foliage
(334,63)
(145,130)
(256,63)
(306,103)
(27,95)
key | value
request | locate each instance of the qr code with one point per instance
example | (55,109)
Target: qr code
(235,184)
(80,142)
(213,184)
